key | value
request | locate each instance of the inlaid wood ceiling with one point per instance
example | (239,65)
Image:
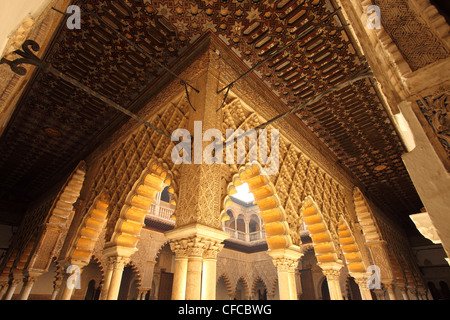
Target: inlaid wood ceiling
(351,122)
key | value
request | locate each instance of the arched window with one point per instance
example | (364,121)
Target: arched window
(253,225)
(240,223)
(165,195)
(231,223)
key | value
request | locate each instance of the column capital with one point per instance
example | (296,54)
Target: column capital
(212,250)
(118,262)
(195,240)
(331,270)
(286,259)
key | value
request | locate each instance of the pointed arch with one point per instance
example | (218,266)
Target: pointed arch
(101,266)
(132,215)
(227,283)
(89,231)
(271,210)
(322,241)
(136,271)
(350,248)
(255,282)
(61,212)
(246,287)
(365,217)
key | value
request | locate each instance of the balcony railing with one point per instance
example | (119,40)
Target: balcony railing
(162,211)
(252,237)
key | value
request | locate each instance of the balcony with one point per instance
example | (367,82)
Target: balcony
(250,239)
(159,216)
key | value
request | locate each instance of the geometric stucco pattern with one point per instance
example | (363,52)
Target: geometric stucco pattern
(415,40)
(436,109)
(297,177)
(121,167)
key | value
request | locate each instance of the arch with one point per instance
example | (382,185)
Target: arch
(227,283)
(101,266)
(350,248)
(62,209)
(353,290)
(324,289)
(240,223)
(271,210)
(254,223)
(89,231)
(90,291)
(365,217)
(136,271)
(132,215)
(246,288)
(254,286)
(322,241)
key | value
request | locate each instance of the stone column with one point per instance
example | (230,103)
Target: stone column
(11,289)
(404,293)
(180,270)
(361,280)
(108,274)
(27,286)
(118,258)
(69,281)
(194,270)
(332,272)
(286,261)
(4,288)
(390,290)
(209,270)
(118,264)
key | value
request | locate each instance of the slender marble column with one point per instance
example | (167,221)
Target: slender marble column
(180,271)
(26,289)
(390,289)
(108,275)
(332,272)
(11,289)
(194,271)
(286,261)
(116,277)
(210,271)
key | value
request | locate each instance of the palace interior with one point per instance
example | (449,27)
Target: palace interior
(94,207)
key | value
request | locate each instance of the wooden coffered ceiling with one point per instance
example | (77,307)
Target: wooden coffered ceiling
(56,124)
